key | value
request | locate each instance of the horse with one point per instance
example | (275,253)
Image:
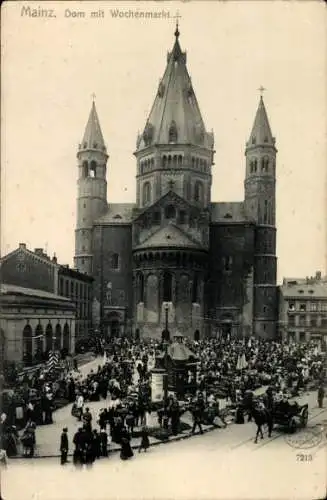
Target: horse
(261,417)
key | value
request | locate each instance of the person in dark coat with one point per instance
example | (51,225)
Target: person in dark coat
(96,443)
(126,451)
(145,442)
(321,395)
(64,446)
(104,443)
(78,452)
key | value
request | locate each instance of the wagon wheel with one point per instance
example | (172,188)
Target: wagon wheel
(292,425)
(304,417)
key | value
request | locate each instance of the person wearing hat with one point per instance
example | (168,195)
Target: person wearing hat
(64,446)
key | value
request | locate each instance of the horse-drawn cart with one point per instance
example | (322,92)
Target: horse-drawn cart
(290,416)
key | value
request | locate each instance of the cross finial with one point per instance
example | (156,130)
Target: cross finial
(93,97)
(261,90)
(177,16)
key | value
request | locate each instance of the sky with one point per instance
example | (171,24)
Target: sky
(52,66)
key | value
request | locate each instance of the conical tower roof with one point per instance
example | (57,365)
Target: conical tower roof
(93,138)
(261,131)
(175,116)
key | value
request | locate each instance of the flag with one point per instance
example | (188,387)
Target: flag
(53,361)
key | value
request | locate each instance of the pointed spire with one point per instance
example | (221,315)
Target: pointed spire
(175,116)
(261,131)
(93,138)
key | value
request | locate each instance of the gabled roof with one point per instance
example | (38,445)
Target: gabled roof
(118,213)
(23,250)
(228,212)
(175,107)
(6,289)
(170,236)
(93,138)
(170,196)
(261,132)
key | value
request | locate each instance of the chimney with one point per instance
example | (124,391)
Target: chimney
(318,275)
(22,245)
(39,252)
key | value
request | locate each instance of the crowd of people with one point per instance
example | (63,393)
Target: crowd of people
(226,369)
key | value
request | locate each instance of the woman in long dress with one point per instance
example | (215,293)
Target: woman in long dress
(126,449)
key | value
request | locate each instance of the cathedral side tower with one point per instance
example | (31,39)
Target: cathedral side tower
(260,206)
(92,190)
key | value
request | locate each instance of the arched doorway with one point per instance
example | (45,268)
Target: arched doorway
(57,340)
(197,335)
(226,329)
(66,340)
(113,325)
(27,344)
(38,342)
(48,338)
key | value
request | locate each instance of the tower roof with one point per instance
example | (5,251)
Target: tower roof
(261,131)
(175,116)
(93,138)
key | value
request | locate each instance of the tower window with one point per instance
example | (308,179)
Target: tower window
(85,169)
(93,169)
(164,161)
(167,287)
(264,164)
(265,212)
(254,140)
(95,145)
(182,216)
(170,212)
(146,193)
(114,261)
(198,191)
(173,132)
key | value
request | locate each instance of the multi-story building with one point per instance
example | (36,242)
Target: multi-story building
(175,254)
(37,271)
(303,309)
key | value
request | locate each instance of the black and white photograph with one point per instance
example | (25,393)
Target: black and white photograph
(163,319)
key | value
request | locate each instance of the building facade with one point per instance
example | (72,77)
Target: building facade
(175,255)
(33,322)
(303,309)
(37,271)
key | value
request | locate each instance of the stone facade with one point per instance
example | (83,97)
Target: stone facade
(37,271)
(176,257)
(33,322)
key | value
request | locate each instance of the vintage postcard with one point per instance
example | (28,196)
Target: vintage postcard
(163,320)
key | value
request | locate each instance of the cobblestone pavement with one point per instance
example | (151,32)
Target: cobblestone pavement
(223,464)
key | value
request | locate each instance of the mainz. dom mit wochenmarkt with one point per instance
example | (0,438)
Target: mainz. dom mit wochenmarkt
(176,256)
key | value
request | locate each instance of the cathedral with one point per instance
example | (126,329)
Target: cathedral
(174,260)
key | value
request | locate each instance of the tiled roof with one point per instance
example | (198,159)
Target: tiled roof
(93,138)
(304,290)
(228,212)
(169,236)
(176,107)
(118,213)
(19,290)
(261,131)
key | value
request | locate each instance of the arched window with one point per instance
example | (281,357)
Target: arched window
(173,132)
(195,296)
(140,287)
(57,342)
(85,169)
(169,161)
(265,212)
(48,337)
(146,193)
(93,169)
(164,161)
(2,347)
(170,212)
(167,287)
(198,191)
(175,161)
(66,339)
(193,162)
(180,160)
(114,261)
(255,165)
(27,344)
